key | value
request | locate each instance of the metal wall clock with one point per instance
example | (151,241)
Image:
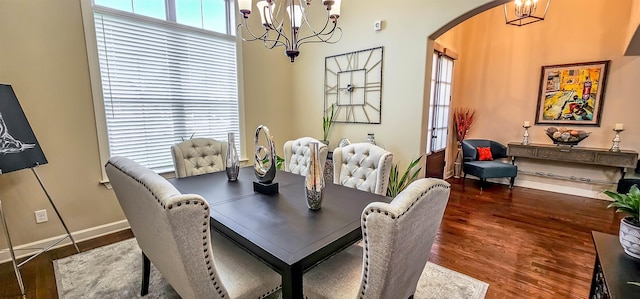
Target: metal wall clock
(353,83)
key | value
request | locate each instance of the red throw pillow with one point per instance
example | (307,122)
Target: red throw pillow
(484,154)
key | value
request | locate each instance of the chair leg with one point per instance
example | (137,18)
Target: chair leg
(482,181)
(513,179)
(146,271)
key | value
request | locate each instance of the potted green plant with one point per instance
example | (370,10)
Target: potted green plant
(629,226)
(398,183)
(327,120)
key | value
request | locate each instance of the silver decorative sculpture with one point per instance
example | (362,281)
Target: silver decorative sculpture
(371,139)
(314,182)
(233,162)
(344,142)
(264,157)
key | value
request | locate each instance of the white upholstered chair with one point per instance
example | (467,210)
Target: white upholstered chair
(363,166)
(397,242)
(198,156)
(172,229)
(296,155)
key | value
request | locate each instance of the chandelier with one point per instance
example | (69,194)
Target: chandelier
(524,12)
(277,32)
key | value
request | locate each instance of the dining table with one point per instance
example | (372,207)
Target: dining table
(280,229)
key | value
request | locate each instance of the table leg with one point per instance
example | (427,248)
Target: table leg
(292,282)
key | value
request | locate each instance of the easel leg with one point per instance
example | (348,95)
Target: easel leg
(13,255)
(33,169)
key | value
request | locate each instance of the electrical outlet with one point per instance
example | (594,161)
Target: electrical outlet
(41,216)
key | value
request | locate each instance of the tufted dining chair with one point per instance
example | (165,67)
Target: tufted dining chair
(296,154)
(363,166)
(199,156)
(397,240)
(173,231)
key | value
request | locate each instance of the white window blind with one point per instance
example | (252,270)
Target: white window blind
(163,83)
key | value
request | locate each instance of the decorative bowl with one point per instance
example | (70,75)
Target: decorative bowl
(564,136)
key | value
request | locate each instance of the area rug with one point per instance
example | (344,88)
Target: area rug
(114,271)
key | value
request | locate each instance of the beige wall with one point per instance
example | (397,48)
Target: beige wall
(43,55)
(499,68)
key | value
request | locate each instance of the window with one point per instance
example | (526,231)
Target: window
(164,82)
(441,79)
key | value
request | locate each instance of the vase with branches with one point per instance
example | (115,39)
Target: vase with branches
(462,120)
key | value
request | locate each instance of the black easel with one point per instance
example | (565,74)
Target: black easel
(19,149)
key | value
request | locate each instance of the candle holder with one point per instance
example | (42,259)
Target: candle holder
(525,136)
(615,147)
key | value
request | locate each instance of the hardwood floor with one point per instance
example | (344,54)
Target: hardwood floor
(525,243)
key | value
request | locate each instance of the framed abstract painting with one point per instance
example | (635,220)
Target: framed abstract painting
(572,94)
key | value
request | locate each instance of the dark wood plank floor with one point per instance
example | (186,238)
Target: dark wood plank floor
(525,243)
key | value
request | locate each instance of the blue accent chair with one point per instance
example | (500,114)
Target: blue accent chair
(486,169)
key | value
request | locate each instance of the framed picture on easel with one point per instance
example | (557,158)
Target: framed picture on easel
(19,148)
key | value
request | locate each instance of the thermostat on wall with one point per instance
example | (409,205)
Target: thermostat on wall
(377,26)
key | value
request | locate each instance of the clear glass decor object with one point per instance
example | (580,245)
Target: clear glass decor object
(233,162)
(314,182)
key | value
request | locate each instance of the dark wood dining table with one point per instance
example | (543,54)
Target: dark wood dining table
(279,229)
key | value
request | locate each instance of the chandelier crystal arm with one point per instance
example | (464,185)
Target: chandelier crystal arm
(322,36)
(264,37)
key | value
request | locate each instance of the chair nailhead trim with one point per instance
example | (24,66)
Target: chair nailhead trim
(204,237)
(394,217)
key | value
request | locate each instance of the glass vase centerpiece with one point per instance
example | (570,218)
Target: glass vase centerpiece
(314,181)
(233,161)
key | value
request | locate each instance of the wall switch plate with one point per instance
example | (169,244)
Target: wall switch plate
(377,26)
(41,216)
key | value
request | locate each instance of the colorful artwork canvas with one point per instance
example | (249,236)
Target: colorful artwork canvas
(572,94)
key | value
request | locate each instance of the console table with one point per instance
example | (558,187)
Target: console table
(584,155)
(613,269)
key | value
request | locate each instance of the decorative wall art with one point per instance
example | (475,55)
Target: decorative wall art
(572,94)
(19,148)
(353,83)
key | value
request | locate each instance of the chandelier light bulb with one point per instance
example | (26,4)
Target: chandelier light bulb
(245,7)
(265,13)
(334,12)
(295,16)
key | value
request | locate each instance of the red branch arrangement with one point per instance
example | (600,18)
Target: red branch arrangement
(462,120)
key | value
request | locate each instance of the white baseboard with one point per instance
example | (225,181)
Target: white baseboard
(79,236)
(560,189)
